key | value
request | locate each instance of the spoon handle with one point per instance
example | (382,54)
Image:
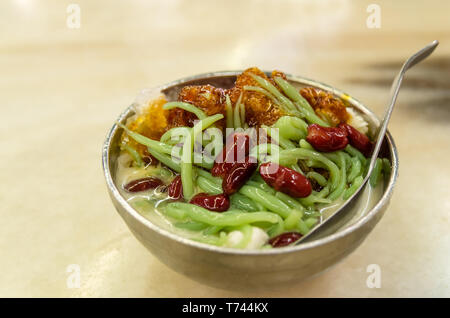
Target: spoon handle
(338,218)
(413,60)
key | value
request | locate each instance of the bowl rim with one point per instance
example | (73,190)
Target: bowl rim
(113,190)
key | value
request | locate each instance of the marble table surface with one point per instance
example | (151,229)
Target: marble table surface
(63,84)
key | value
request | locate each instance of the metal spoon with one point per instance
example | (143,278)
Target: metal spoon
(342,215)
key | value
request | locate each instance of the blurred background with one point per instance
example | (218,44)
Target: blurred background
(68,68)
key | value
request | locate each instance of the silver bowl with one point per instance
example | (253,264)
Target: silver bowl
(246,269)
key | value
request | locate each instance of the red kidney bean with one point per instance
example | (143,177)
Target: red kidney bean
(143,184)
(358,139)
(285,180)
(284,239)
(327,139)
(175,190)
(216,203)
(239,173)
(236,149)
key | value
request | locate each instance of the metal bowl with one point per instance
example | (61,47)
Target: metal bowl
(246,269)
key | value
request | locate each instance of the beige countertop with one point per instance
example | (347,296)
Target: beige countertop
(62,88)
